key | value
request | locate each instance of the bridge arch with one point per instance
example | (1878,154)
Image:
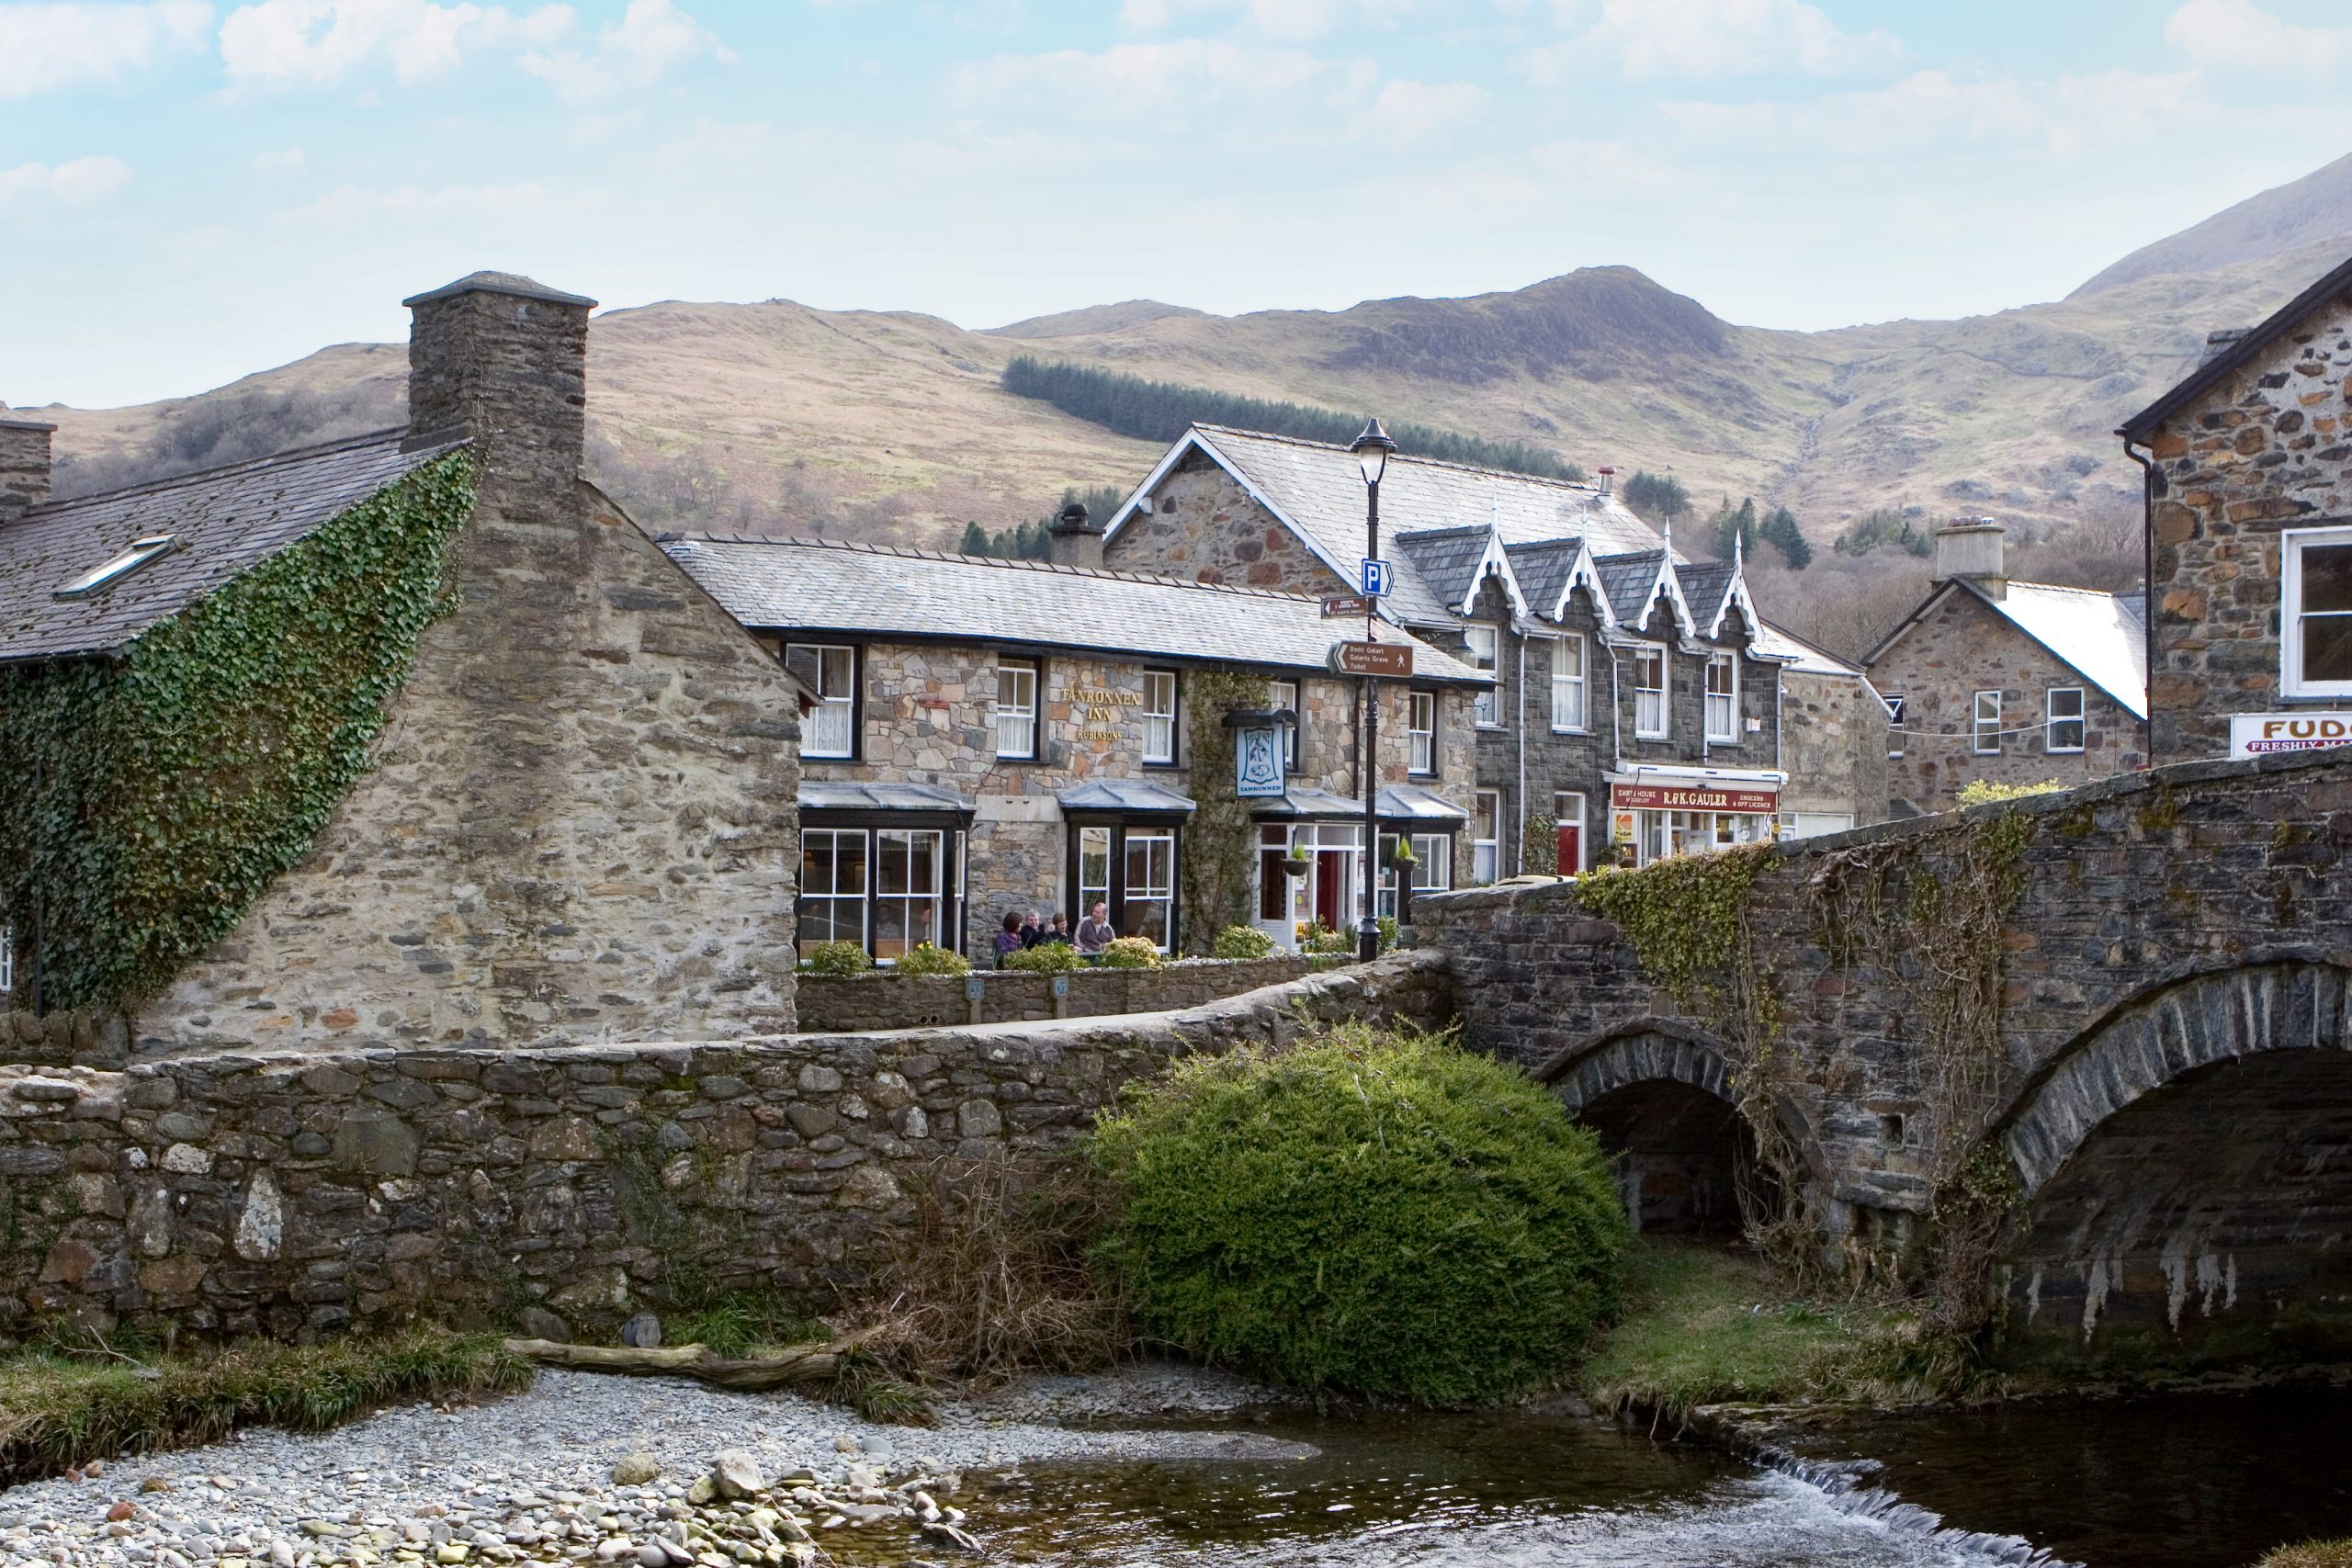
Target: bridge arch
(2185,1165)
(1662,1099)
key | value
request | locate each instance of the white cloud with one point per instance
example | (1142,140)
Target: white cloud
(2239,33)
(74,183)
(402,207)
(1714,38)
(1286,22)
(65,45)
(314,43)
(1929,109)
(1409,111)
(279,160)
(1191,77)
(651,38)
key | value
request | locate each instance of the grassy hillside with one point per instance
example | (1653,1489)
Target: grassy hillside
(778,416)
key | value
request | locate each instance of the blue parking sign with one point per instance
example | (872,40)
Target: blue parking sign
(1375,578)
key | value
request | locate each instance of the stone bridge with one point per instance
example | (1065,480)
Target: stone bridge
(2131,1037)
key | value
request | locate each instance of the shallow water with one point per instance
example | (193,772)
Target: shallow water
(2202,1482)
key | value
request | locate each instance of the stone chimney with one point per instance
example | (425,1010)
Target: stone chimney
(1074,540)
(24,467)
(1970,548)
(504,360)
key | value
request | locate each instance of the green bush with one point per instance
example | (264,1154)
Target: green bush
(1243,942)
(837,958)
(1046,957)
(1325,939)
(1385,1215)
(1130,953)
(925,959)
(1984,792)
(1391,933)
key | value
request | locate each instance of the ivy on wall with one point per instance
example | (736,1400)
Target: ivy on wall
(151,797)
(1221,839)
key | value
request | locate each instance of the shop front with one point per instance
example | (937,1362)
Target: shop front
(1310,857)
(1655,812)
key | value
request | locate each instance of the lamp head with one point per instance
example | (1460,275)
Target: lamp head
(1371,449)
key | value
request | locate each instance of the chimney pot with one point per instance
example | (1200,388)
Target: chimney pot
(1970,548)
(25,466)
(1074,540)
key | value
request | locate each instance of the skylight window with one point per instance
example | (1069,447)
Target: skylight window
(140,552)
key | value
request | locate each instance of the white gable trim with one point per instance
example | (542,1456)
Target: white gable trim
(1737,595)
(1494,563)
(1585,573)
(1664,586)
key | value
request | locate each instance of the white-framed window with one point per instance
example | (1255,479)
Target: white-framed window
(832,886)
(1567,810)
(1985,736)
(1895,704)
(1810,824)
(1159,716)
(1149,904)
(1016,708)
(1568,681)
(1486,656)
(2065,729)
(2315,613)
(909,877)
(1485,837)
(1421,729)
(831,670)
(1286,699)
(140,552)
(1093,869)
(1649,692)
(1722,696)
(1432,868)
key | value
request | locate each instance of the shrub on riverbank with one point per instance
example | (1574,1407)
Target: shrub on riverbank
(59,1407)
(2311,1554)
(1373,1215)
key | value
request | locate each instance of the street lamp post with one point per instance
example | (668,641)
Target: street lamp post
(1372,450)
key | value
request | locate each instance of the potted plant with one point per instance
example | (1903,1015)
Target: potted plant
(1296,863)
(1401,855)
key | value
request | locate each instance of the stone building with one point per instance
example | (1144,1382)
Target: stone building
(1642,705)
(2248,465)
(2011,682)
(560,806)
(994,735)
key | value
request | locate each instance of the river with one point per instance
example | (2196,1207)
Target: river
(2187,1481)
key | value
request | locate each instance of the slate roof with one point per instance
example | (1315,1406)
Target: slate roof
(2216,371)
(1318,489)
(1446,558)
(1121,794)
(854,794)
(2101,636)
(1704,587)
(1543,570)
(1627,580)
(1802,657)
(1391,803)
(228,520)
(824,585)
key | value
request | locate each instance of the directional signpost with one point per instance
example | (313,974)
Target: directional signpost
(1342,608)
(1380,661)
(1375,580)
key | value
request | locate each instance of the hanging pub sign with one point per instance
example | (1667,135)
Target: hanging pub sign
(1258,751)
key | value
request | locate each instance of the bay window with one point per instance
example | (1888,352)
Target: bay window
(832,886)
(909,882)
(1130,868)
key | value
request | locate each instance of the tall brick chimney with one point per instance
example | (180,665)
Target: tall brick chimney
(1970,548)
(1073,540)
(24,467)
(504,359)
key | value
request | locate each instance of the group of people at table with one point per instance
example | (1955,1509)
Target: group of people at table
(1030,928)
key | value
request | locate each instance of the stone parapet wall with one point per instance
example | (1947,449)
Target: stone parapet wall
(879,1001)
(64,1040)
(292,1194)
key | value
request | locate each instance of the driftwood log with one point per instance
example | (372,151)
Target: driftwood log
(809,1363)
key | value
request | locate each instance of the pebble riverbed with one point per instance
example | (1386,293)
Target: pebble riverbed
(530,1479)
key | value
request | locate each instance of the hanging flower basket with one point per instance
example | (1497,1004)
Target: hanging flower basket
(1403,855)
(1297,864)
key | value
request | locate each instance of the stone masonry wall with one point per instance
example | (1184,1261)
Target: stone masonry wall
(1204,527)
(580,822)
(291,1194)
(2269,449)
(850,1004)
(1832,741)
(1965,647)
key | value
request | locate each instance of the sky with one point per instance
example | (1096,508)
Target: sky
(191,190)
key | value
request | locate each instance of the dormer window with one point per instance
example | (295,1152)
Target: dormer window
(105,576)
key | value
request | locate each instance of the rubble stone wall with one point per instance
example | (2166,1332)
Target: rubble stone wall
(847,1005)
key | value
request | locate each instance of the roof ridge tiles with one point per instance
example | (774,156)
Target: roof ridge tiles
(196,476)
(1579,486)
(910,552)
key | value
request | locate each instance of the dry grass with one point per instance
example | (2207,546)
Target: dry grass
(2310,1554)
(994,1280)
(69,1403)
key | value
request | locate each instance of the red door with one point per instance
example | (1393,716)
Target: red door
(1571,859)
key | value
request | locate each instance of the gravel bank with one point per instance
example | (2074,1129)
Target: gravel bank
(462,1485)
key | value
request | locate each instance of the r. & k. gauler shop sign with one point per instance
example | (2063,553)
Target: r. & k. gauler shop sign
(1687,797)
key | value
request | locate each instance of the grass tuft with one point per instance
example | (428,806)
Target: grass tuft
(735,1323)
(2310,1554)
(62,1405)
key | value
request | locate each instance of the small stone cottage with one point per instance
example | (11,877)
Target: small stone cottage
(2010,682)
(2248,464)
(413,739)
